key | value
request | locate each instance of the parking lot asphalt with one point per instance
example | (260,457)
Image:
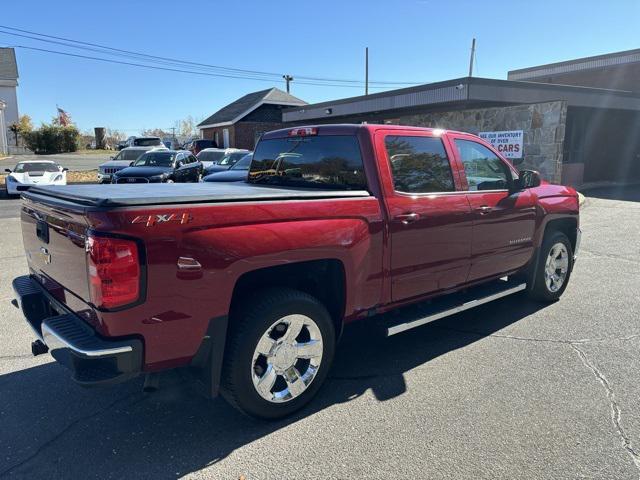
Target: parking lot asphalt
(513,389)
(72,161)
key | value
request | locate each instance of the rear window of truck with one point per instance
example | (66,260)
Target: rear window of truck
(331,161)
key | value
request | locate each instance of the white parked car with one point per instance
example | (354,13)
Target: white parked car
(34,172)
(122,160)
(211,156)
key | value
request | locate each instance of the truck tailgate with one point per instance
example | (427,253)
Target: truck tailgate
(54,242)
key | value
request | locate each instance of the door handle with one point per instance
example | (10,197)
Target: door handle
(484,209)
(407,218)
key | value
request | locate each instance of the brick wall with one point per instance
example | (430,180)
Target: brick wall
(242,134)
(210,134)
(247,132)
(543,126)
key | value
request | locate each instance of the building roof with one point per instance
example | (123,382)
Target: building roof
(461,92)
(235,111)
(8,65)
(579,64)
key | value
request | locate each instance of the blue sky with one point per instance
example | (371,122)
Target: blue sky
(409,41)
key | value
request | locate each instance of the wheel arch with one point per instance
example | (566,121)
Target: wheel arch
(566,225)
(324,279)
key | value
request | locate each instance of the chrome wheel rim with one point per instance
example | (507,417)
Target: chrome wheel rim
(556,267)
(287,358)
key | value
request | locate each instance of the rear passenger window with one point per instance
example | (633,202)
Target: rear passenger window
(419,164)
(484,170)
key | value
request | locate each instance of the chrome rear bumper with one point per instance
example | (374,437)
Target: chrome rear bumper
(93,360)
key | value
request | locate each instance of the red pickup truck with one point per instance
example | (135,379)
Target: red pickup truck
(249,285)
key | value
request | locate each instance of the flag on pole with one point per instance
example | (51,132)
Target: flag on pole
(63,117)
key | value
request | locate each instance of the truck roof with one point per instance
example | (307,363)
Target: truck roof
(349,129)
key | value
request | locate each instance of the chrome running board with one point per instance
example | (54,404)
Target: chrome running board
(457,303)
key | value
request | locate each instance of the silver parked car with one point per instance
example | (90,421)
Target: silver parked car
(122,160)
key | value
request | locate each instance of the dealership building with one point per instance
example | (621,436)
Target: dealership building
(576,122)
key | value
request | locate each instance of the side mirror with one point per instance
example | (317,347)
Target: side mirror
(111,157)
(131,164)
(179,164)
(65,169)
(8,170)
(528,179)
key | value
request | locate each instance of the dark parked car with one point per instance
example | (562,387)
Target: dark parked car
(226,162)
(161,166)
(197,145)
(237,173)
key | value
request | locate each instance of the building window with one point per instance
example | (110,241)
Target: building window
(419,164)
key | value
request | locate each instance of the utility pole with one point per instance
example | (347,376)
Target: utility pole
(288,79)
(173,133)
(473,54)
(366,71)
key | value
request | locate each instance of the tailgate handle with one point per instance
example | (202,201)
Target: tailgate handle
(42,231)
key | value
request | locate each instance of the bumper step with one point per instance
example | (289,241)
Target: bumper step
(94,360)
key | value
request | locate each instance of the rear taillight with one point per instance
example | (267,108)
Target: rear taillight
(114,271)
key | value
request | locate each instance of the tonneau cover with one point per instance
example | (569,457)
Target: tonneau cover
(123,195)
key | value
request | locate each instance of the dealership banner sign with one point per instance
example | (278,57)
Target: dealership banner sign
(508,143)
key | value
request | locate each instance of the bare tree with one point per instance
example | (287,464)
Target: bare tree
(187,126)
(155,132)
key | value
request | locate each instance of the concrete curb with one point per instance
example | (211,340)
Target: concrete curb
(581,199)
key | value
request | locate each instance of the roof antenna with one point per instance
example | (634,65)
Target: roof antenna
(366,71)
(473,54)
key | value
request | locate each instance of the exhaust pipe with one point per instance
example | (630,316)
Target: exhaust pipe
(151,382)
(38,348)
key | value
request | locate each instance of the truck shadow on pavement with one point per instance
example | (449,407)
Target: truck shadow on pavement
(51,427)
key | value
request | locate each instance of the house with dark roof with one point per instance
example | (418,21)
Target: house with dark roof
(240,124)
(8,97)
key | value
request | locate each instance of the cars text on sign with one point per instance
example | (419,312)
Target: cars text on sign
(508,142)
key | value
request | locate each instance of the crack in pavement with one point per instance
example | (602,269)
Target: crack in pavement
(67,428)
(609,256)
(616,413)
(582,341)
(11,357)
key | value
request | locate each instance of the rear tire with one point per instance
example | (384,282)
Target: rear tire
(552,272)
(278,353)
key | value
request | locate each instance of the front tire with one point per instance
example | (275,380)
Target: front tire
(278,354)
(555,263)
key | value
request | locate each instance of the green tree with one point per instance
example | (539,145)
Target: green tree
(21,128)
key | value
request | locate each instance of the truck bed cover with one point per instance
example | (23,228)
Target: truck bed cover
(122,195)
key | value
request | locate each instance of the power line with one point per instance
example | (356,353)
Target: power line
(172,61)
(155,67)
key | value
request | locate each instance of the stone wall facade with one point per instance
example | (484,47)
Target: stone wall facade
(543,126)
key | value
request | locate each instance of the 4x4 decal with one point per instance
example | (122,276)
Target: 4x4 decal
(152,220)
